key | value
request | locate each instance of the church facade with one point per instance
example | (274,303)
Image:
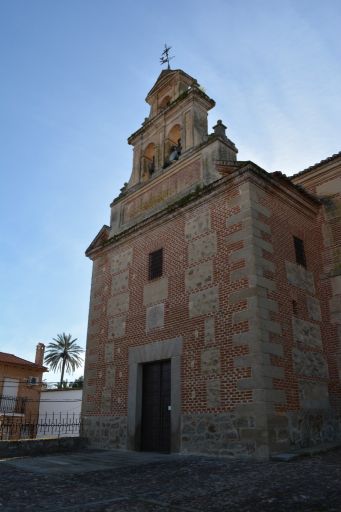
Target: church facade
(215,310)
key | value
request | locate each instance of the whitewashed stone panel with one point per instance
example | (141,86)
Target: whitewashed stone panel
(209,329)
(198,225)
(120,282)
(204,302)
(300,277)
(203,248)
(306,332)
(199,276)
(210,361)
(314,309)
(116,327)
(109,353)
(155,317)
(310,364)
(155,291)
(213,393)
(313,395)
(121,261)
(118,304)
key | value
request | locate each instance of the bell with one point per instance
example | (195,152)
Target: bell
(174,154)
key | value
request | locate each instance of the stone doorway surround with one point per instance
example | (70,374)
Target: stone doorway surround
(157,351)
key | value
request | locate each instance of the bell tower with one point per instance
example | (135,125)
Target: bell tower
(173,152)
(177,123)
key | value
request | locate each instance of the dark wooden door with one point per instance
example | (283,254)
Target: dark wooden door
(156,401)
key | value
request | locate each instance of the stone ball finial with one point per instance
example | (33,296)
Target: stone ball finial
(219,129)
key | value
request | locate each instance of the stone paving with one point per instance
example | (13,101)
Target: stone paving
(110,481)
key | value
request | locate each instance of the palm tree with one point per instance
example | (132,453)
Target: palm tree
(63,354)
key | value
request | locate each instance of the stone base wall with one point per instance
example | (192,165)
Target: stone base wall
(310,428)
(36,447)
(224,434)
(232,435)
(105,431)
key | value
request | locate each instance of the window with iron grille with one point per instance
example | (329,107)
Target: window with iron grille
(295,308)
(299,252)
(155,264)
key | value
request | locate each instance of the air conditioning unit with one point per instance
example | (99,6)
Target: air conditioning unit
(32,380)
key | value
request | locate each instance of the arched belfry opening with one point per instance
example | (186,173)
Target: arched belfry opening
(174,134)
(173,144)
(164,103)
(176,125)
(148,162)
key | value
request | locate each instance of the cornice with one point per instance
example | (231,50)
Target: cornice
(297,199)
(172,210)
(246,171)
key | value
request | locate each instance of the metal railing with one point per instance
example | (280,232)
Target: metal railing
(10,404)
(50,425)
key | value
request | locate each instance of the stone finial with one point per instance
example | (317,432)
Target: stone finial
(219,129)
(40,350)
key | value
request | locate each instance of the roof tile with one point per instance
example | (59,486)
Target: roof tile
(12,359)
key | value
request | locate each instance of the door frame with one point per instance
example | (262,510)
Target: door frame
(156,394)
(158,351)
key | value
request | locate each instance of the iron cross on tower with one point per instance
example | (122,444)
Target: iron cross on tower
(165,58)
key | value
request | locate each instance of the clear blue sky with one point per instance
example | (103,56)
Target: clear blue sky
(73,78)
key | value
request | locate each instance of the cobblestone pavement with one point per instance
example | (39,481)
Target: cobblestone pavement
(177,483)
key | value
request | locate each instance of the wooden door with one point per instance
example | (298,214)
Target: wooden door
(156,402)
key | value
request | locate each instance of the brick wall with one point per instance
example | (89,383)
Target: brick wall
(324,180)
(249,366)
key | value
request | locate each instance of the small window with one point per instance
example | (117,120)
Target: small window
(155,264)
(295,308)
(299,252)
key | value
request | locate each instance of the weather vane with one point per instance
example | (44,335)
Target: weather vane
(165,58)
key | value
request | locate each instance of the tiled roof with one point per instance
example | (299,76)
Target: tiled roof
(323,162)
(12,359)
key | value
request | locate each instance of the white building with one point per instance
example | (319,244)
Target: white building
(59,412)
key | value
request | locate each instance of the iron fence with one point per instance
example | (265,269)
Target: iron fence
(17,426)
(10,404)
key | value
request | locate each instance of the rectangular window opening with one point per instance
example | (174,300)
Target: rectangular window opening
(155,264)
(299,252)
(295,308)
